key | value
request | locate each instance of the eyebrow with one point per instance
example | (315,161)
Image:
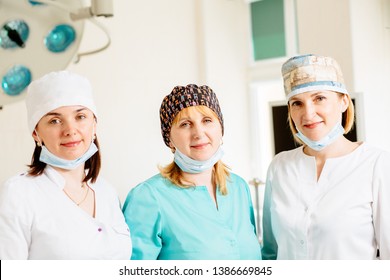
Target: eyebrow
(183,119)
(58,114)
(311,95)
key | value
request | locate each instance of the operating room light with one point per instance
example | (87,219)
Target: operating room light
(40,36)
(16,80)
(14,34)
(60,38)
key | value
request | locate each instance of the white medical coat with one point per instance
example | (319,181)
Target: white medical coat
(38,221)
(343,215)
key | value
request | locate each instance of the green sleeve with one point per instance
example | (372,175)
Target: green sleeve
(143,216)
(270,248)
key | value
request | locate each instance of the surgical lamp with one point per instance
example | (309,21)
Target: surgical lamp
(37,37)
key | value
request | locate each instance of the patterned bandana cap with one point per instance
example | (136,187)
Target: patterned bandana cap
(182,97)
(311,72)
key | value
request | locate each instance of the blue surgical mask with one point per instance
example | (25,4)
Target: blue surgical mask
(190,165)
(335,133)
(51,159)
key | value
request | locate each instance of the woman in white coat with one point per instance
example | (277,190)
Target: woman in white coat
(59,208)
(330,197)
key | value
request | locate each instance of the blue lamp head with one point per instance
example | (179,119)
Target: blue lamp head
(60,38)
(14,34)
(16,80)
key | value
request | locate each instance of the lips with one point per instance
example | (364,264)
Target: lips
(71,144)
(312,125)
(199,146)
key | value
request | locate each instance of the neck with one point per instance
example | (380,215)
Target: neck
(199,179)
(204,178)
(72,177)
(342,146)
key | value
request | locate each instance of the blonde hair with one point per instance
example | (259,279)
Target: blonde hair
(220,171)
(348,118)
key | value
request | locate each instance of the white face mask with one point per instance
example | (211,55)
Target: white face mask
(190,165)
(49,158)
(335,133)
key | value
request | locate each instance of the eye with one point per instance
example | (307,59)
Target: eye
(55,121)
(295,103)
(81,116)
(208,120)
(184,124)
(320,98)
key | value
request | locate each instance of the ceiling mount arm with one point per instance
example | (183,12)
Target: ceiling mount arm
(98,8)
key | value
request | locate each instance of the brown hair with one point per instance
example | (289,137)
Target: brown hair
(93,164)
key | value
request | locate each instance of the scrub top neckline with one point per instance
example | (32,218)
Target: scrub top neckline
(361,145)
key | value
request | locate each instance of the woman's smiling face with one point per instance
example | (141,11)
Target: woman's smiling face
(315,113)
(67,131)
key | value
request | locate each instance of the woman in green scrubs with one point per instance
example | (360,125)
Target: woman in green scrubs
(195,208)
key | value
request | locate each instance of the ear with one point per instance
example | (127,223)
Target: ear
(36,138)
(344,103)
(173,149)
(94,129)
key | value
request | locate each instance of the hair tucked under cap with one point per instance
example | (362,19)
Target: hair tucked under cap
(183,97)
(312,72)
(54,90)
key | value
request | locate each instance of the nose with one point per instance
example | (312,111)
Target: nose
(309,111)
(197,131)
(69,128)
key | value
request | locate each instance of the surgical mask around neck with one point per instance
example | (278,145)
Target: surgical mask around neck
(335,133)
(49,158)
(190,165)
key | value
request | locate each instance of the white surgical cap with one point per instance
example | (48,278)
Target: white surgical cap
(54,90)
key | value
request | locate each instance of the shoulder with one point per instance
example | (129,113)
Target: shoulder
(237,183)
(18,190)
(234,178)
(144,195)
(370,154)
(380,156)
(287,155)
(151,184)
(149,188)
(372,150)
(285,158)
(21,182)
(102,183)
(104,187)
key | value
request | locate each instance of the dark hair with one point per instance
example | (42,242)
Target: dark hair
(93,164)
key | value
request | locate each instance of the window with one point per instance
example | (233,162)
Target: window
(268,29)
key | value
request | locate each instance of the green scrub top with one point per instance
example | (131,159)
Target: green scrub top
(168,222)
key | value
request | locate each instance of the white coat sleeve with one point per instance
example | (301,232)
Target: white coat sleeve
(15,233)
(381,204)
